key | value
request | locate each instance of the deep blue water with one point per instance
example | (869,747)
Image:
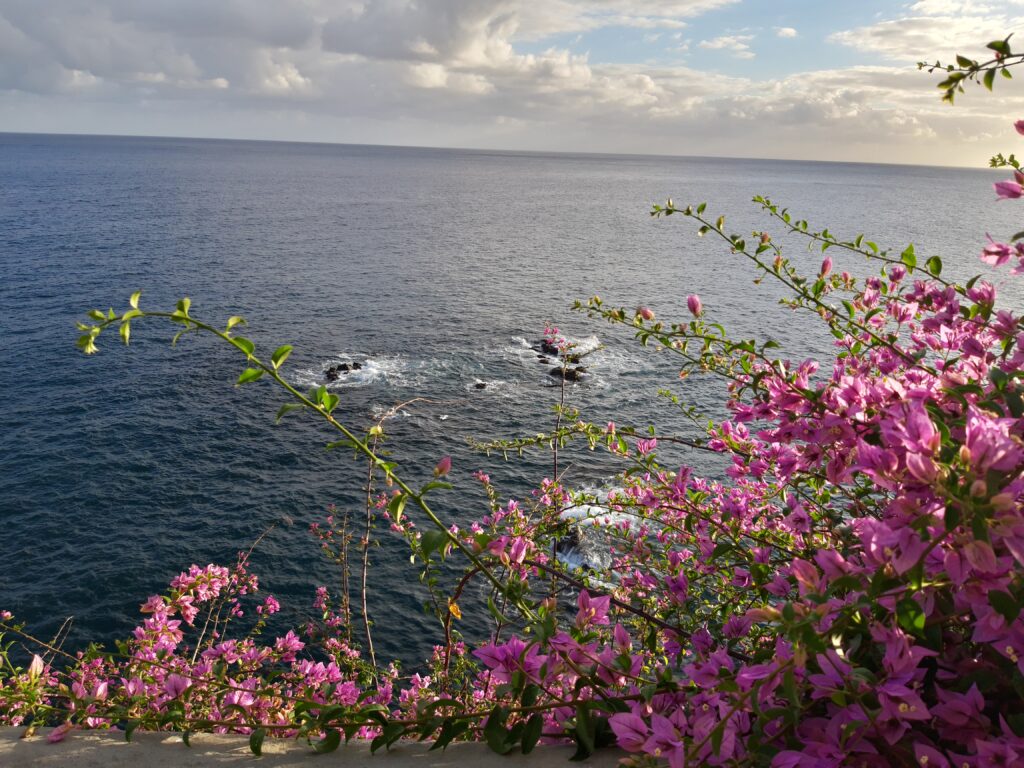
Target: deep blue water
(433,268)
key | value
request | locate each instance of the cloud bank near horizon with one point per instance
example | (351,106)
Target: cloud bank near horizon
(716,77)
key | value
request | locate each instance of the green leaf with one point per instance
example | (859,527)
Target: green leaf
(328,743)
(183,306)
(285,409)
(934,265)
(97,315)
(130,728)
(532,732)
(1000,46)
(249,374)
(126,332)
(134,299)
(908,257)
(280,355)
(989,78)
(244,344)
(451,729)
(1005,604)
(584,731)
(432,541)
(910,616)
(964,62)
(495,732)
(396,505)
(346,443)
(256,741)
(391,733)
(434,485)
(233,321)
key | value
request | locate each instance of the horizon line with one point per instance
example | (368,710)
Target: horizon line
(486,149)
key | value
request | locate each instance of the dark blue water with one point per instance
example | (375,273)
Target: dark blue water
(433,268)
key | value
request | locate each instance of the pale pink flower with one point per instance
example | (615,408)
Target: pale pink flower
(1008,190)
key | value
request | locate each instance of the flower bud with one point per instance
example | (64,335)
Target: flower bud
(444,466)
(35,669)
(1002,502)
(645,312)
(693,303)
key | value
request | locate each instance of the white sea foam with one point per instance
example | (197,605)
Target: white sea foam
(374,370)
(490,385)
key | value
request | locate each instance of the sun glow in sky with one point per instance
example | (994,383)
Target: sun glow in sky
(807,79)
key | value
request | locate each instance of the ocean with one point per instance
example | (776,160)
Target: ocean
(435,270)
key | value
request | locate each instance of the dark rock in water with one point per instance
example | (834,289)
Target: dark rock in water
(480,385)
(569,374)
(333,373)
(543,359)
(569,542)
(548,348)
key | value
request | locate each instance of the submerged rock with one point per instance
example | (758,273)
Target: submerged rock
(568,374)
(334,372)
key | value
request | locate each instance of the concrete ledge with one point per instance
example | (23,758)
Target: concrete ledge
(103,749)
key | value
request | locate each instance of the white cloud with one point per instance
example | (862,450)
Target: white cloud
(934,28)
(785,32)
(736,45)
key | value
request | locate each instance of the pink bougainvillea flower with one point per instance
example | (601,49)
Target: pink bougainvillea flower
(444,466)
(644,447)
(1008,190)
(58,733)
(630,730)
(175,685)
(1019,125)
(592,610)
(995,253)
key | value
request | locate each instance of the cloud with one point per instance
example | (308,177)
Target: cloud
(934,28)
(785,32)
(490,73)
(736,45)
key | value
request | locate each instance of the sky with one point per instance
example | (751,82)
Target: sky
(792,79)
